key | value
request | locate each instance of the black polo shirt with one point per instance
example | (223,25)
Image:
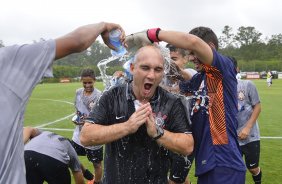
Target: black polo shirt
(136,158)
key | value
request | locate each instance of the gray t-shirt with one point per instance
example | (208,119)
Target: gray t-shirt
(55,146)
(21,68)
(247,98)
(84,104)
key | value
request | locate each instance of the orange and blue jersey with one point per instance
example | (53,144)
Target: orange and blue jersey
(214,110)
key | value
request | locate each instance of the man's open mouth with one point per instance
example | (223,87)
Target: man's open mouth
(147,87)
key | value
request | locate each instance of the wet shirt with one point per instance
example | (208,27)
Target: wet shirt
(21,68)
(136,158)
(84,104)
(55,146)
(213,116)
(247,98)
(185,84)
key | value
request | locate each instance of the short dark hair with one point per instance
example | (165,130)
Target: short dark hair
(88,73)
(205,34)
(172,48)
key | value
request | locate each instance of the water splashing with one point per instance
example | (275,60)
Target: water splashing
(170,69)
(103,65)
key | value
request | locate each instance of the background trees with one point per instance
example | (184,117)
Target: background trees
(253,53)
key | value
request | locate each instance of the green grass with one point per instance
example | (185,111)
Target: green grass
(49,103)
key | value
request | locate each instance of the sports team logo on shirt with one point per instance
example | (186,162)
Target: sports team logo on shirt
(241,95)
(201,99)
(241,100)
(160,119)
(202,86)
(91,105)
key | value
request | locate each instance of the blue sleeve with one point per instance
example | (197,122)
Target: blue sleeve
(224,64)
(191,85)
(227,71)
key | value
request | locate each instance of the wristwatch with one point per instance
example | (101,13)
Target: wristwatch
(160,132)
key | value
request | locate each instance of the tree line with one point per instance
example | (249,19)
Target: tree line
(252,51)
(246,44)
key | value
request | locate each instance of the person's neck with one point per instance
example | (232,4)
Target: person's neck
(141,99)
(144,100)
(88,93)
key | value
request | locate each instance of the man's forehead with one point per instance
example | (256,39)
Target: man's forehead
(152,63)
(149,53)
(149,50)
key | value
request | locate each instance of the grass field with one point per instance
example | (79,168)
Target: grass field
(50,107)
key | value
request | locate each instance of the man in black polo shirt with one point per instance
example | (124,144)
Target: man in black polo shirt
(139,122)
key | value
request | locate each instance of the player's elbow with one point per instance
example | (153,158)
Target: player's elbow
(87,140)
(188,150)
(187,145)
(192,41)
(257,108)
(84,140)
(88,135)
(85,137)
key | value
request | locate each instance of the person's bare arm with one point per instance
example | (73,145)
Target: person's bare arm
(78,177)
(250,123)
(190,42)
(29,133)
(95,134)
(186,75)
(82,38)
(176,70)
(177,142)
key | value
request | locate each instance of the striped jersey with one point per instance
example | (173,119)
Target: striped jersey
(213,116)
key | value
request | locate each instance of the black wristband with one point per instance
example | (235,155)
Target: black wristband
(88,175)
(160,132)
(157,33)
(158,136)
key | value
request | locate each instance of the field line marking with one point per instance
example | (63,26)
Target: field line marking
(264,137)
(60,129)
(67,129)
(63,101)
(64,129)
(57,120)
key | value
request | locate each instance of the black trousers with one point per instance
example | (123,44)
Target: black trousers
(40,168)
